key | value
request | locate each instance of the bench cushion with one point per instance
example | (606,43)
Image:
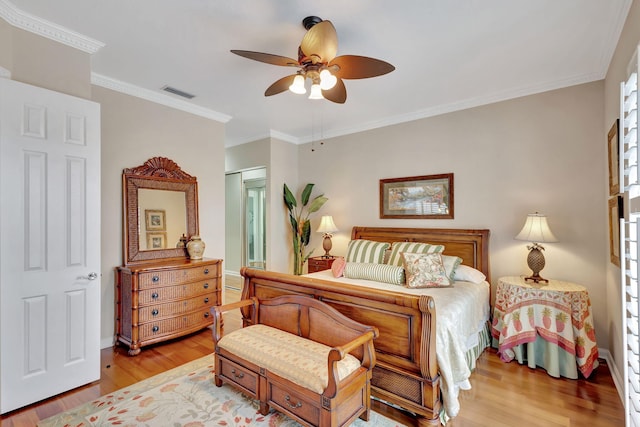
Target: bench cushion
(289,356)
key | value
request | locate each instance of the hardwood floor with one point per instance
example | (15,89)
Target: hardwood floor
(502,394)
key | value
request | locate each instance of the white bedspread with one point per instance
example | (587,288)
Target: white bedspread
(461,312)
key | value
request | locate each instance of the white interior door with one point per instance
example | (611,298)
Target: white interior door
(49,243)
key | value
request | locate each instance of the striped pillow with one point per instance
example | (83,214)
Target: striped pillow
(366,251)
(413,248)
(378,272)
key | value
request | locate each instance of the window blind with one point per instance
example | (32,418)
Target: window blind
(630,236)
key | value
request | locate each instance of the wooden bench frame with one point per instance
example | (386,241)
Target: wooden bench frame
(342,401)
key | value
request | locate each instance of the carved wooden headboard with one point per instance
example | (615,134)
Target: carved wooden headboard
(470,245)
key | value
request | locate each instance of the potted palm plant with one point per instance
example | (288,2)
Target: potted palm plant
(300,224)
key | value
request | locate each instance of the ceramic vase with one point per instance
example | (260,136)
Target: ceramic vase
(195,247)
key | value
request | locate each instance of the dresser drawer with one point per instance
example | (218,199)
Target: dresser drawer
(319,263)
(160,311)
(239,375)
(169,293)
(294,404)
(159,328)
(152,279)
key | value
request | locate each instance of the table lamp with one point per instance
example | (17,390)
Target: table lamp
(536,230)
(327,227)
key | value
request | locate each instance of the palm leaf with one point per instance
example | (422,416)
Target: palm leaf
(289,198)
(306,193)
(317,203)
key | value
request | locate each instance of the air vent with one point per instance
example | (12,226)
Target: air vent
(178,92)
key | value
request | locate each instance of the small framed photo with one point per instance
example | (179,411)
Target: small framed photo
(156,240)
(418,197)
(155,219)
(613,143)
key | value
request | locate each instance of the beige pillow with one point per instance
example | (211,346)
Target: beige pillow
(425,271)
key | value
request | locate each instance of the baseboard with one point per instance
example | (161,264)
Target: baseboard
(107,342)
(618,381)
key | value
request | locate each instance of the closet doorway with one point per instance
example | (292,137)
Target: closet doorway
(245,217)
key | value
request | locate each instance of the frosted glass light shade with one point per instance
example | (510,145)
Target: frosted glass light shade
(298,85)
(316,92)
(327,225)
(327,80)
(536,230)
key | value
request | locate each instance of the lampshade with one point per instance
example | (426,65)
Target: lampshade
(327,80)
(316,92)
(536,230)
(327,225)
(298,85)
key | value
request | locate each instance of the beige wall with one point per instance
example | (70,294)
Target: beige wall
(281,161)
(537,153)
(616,74)
(41,62)
(134,130)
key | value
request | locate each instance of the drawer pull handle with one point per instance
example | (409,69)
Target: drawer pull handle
(154,295)
(154,312)
(237,376)
(155,328)
(155,279)
(206,314)
(296,406)
(206,300)
(206,271)
(206,286)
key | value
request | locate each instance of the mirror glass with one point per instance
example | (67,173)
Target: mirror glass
(160,204)
(163,218)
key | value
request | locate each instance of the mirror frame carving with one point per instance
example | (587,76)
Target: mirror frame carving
(159,173)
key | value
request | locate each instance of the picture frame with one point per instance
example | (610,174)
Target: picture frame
(613,144)
(155,219)
(156,240)
(615,213)
(417,197)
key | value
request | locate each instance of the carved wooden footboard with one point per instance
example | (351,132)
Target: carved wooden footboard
(406,373)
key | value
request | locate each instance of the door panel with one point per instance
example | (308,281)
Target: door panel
(49,243)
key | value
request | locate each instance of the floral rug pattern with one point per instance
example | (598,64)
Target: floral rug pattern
(182,397)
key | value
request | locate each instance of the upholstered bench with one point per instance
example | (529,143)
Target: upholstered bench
(300,356)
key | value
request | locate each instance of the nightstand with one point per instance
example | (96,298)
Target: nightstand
(548,325)
(320,263)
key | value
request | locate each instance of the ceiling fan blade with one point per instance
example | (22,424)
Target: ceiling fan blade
(337,94)
(320,44)
(268,58)
(360,67)
(280,86)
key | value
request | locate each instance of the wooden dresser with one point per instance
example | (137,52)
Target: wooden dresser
(163,300)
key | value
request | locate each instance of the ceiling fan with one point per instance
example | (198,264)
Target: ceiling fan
(318,62)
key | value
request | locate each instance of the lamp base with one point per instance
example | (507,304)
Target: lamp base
(536,278)
(326,245)
(535,261)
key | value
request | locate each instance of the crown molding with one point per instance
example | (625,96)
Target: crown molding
(33,24)
(158,98)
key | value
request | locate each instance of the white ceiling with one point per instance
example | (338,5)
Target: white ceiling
(448,54)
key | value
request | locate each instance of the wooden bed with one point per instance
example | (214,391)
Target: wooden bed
(406,372)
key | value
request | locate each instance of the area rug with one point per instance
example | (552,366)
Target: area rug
(182,397)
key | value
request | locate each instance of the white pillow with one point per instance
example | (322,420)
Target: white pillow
(464,273)
(451,264)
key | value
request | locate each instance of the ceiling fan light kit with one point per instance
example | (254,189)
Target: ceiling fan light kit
(318,62)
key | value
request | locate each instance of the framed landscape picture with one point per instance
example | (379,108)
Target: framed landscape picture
(155,219)
(419,197)
(615,211)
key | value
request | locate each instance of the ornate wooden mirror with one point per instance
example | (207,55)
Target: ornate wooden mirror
(160,206)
